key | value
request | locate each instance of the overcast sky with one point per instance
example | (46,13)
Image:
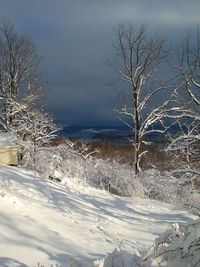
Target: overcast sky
(76,38)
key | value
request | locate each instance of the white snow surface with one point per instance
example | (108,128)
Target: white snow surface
(73,225)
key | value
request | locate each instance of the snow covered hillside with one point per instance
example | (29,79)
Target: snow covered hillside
(48,222)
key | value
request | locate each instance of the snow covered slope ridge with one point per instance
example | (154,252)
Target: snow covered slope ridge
(47,222)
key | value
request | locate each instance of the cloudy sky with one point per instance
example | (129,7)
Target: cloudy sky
(76,38)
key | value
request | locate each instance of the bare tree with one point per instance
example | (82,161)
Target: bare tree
(18,69)
(138,59)
(187,143)
(189,69)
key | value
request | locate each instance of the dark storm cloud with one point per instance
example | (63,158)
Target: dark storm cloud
(76,38)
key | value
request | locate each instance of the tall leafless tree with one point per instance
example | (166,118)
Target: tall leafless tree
(138,59)
(19,62)
(189,67)
(187,143)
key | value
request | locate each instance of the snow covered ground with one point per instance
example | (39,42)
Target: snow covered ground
(48,222)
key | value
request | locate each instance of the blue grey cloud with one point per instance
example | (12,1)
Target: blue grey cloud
(76,38)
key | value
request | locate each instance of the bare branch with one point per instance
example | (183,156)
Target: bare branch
(140,57)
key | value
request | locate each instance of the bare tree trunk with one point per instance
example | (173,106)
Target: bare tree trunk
(136,161)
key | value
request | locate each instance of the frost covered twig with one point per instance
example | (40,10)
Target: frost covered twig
(179,245)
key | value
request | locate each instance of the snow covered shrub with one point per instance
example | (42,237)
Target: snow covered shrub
(71,161)
(161,186)
(168,188)
(65,162)
(26,149)
(192,202)
(110,176)
(52,265)
(117,178)
(185,148)
(4,188)
(118,258)
(49,162)
(179,246)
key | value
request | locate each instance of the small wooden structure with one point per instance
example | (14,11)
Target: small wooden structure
(8,149)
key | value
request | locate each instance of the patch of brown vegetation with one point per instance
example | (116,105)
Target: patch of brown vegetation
(124,154)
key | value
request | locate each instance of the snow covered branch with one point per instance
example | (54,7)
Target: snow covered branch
(178,246)
(140,58)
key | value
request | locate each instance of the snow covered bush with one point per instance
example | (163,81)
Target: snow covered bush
(114,177)
(166,187)
(179,246)
(4,188)
(52,265)
(118,258)
(65,162)
(69,160)
(162,187)
(185,148)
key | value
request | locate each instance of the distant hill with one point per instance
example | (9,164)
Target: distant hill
(113,134)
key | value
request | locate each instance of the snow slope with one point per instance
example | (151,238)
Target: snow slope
(48,222)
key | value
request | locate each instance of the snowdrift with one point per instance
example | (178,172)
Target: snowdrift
(49,223)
